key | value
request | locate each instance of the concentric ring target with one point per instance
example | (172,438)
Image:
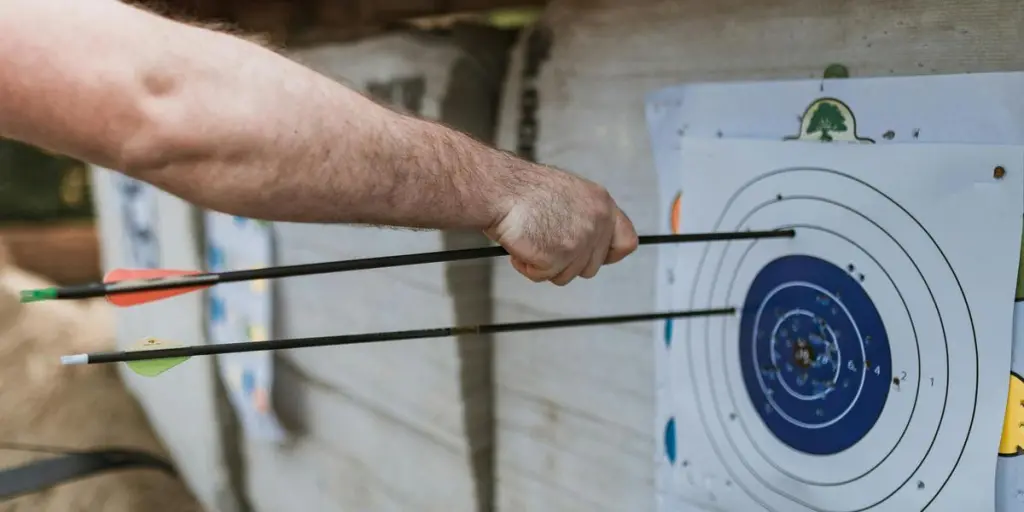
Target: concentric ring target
(817,355)
(830,392)
(892,426)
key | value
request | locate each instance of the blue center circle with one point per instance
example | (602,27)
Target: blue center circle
(814,354)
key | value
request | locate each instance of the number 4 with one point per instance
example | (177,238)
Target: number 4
(878,370)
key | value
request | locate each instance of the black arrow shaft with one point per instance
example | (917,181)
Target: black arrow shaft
(103,289)
(353,339)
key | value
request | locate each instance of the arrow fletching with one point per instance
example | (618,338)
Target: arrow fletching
(153,367)
(123,277)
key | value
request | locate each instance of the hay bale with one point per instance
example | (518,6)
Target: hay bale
(80,407)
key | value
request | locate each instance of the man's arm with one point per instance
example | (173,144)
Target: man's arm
(227,124)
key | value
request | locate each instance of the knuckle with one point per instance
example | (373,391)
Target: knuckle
(568,245)
(533,276)
(603,205)
(544,259)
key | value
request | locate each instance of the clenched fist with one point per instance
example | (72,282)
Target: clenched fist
(558,226)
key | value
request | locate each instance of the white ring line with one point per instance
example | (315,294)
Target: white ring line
(760,381)
(768,395)
(771,348)
(838,363)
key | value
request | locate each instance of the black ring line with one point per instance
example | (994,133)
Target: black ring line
(916,340)
(942,415)
(941,253)
(917,389)
(963,447)
(732,394)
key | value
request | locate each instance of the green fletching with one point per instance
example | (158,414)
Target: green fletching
(38,295)
(154,367)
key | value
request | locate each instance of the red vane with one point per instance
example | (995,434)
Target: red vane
(136,298)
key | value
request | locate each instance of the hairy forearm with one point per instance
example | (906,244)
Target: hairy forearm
(268,138)
(232,126)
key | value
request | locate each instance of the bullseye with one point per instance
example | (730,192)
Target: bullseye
(814,354)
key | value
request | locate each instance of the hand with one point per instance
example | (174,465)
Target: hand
(558,226)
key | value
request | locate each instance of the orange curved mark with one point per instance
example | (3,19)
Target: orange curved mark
(676,218)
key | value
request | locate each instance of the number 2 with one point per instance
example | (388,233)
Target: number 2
(903,375)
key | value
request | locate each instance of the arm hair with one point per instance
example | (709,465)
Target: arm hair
(229,124)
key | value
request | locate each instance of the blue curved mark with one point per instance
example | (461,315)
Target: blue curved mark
(248,382)
(668,333)
(214,258)
(216,309)
(670,440)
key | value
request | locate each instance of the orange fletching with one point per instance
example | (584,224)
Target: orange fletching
(136,298)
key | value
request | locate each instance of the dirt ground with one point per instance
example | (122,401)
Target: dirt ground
(44,403)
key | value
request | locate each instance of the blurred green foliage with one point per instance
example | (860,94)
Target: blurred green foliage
(38,186)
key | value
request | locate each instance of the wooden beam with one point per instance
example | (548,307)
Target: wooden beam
(291,21)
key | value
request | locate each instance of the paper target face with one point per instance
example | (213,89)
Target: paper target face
(807,370)
(849,379)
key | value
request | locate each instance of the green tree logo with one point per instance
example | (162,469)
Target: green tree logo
(826,119)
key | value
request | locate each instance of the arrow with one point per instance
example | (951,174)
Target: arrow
(152,357)
(127,287)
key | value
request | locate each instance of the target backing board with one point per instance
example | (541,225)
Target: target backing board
(851,377)
(243,311)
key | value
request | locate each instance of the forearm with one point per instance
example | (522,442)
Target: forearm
(232,126)
(269,138)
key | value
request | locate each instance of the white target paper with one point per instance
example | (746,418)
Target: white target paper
(850,378)
(983,108)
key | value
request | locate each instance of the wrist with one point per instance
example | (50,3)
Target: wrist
(483,183)
(457,182)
